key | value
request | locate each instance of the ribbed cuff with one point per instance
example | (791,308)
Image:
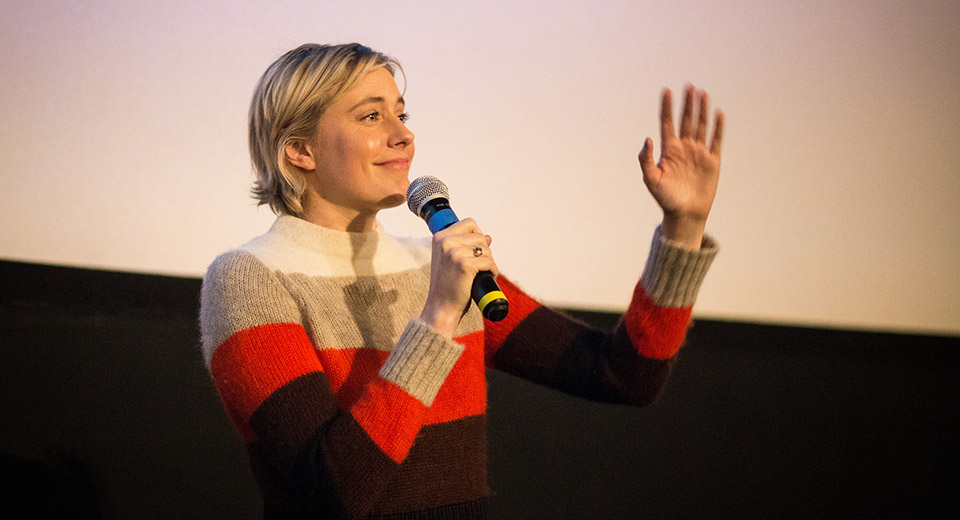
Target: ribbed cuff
(420,361)
(673,275)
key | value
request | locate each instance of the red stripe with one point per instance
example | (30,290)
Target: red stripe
(350,371)
(464,391)
(255,362)
(390,416)
(521,306)
(656,332)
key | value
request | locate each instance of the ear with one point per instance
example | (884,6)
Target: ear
(300,154)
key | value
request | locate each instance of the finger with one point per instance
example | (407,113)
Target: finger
(717,142)
(471,262)
(482,263)
(463,227)
(463,244)
(647,164)
(469,225)
(477,250)
(686,119)
(704,115)
(493,268)
(666,118)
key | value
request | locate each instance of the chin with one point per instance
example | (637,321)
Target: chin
(393,201)
(400,196)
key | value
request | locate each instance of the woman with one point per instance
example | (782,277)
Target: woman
(350,361)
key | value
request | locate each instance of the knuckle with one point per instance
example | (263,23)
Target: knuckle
(447,247)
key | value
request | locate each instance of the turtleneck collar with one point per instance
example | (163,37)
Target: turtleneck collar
(328,241)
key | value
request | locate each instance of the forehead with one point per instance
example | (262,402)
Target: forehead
(376,86)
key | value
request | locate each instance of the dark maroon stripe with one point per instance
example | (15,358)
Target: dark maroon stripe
(290,416)
(447,464)
(473,510)
(345,463)
(342,473)
(312,461)
(630,377)
(560,352)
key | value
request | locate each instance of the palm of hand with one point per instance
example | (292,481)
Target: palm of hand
(684,181)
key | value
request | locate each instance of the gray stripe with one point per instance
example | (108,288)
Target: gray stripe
(421,361)
(673,275)
(239,292)
(354,312)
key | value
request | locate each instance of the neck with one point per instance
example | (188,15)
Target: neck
(338,218)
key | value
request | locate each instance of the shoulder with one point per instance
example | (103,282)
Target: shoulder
(239,292)
(233,275)
(233,264)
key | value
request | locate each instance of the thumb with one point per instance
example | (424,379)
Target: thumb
(647,165)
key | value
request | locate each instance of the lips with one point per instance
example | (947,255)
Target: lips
(400,163)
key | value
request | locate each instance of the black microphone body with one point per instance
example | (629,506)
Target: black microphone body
(427,197)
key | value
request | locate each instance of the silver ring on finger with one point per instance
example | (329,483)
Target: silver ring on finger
(477,251)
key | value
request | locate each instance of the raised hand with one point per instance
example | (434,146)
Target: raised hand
(684,181)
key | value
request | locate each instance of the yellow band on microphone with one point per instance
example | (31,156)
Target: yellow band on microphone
(489,297)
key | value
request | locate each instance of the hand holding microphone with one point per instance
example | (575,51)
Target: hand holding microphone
(459,250)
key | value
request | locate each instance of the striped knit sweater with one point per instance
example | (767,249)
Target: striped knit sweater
(351,409)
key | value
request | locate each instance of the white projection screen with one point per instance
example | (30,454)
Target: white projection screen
(124,139)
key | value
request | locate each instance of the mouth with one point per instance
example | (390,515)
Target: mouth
(401,163)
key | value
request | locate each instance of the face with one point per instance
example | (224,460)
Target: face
(363,150)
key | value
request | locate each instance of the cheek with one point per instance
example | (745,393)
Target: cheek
(372,145)
(358,150)
(340,157)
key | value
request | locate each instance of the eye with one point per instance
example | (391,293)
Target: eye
(373,116)
(404,117)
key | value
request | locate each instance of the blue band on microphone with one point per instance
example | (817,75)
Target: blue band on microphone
(442,219)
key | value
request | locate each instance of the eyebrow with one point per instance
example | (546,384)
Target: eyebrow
(376,99)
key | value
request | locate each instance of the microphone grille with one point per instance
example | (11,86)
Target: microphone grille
(423,189)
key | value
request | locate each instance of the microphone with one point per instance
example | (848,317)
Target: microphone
(428,198)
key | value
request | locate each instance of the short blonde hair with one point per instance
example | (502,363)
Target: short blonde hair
(287,104)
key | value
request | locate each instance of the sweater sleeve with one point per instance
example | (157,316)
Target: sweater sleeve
(327,462)
(628,365)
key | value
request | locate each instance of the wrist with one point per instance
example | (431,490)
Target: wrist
(444,321)
(685,232)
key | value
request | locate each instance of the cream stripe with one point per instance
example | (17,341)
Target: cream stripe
(355,309)
(295,246)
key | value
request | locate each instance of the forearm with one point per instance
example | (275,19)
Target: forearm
(627,365)
(686,232)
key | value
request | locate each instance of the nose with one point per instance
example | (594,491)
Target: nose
(401,136)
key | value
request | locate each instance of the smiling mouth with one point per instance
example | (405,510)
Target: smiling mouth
(395,163)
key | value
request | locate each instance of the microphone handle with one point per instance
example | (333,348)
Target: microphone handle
(485,292)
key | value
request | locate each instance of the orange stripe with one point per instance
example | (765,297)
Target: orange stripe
(350,371)
(282,352)
(390,416)
(464,391)
(656,332)
(255,362)
(521,306)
